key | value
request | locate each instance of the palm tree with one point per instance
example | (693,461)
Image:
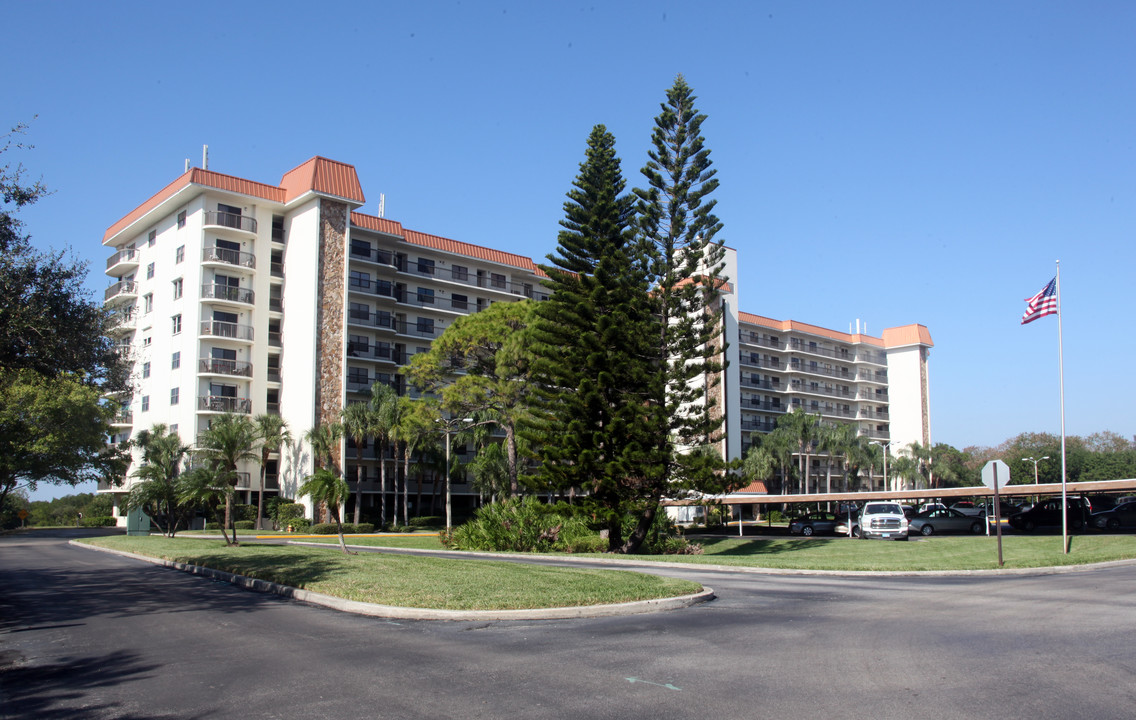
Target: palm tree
(229,441)
(328,488)
(859,454)
(274,435)
(904,468)
(324,439)
(414,430)
(200,487)
(836,440)
(163,453)
(359,423)
(803,429)
(384,405)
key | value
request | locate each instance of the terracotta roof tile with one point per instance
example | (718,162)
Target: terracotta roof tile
(907,335)
(892,337)
(196,176)
(754,487)
(378,224)
(323,176)
(469,250)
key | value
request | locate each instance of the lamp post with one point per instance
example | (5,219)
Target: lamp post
(885,447)
(1035,462)
(449,426)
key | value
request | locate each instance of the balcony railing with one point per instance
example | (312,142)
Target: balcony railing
(233,331)
(222,366)
(372,352)
(274,338)
(123,418)
(756,361)
(273,374)
(128,256)
(276,304)
(750,381)
(230,220)
(752,338)
(878,376)
(801,387)
(840,354)
(214,291)
(276,269)
(211,253)
(123,321)
(123,288)
(224,403)
(797,366)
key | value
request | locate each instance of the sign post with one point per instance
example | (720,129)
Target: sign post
(995,474)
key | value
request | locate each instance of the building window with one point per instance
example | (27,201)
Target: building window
(146,369)
(357,376)
(359,311)
(425,326)
(361,248)
(459,272)
(176,323)
(180,254)
(426,295)
(148,302)
(152,238)
(146,342)
(178,287)
(174,396)
(278,228)
(497,280)
(359,279)
(174,428)
(425,266)
(459,302)
(181,219)
(145,403)
(175,361)
(150,271)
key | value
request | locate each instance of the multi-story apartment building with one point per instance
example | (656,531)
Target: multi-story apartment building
(240,296)
(880,385)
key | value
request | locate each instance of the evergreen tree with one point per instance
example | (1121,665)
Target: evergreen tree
(592,340)
(676,230)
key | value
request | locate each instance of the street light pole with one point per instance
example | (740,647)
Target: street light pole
(884,447)
(1035,462)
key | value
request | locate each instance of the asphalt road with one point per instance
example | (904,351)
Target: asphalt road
(90,635)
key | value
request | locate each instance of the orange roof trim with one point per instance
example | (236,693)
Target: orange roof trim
(892,337)
(476,251)
(323,176)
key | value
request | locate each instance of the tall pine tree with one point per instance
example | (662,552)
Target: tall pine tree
(593,339)
(677,229)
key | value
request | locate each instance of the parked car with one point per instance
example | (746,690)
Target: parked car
(1005,509)
(842,527)
(968,508)
(908,511)
(814,523)
(925,507)
(883,520)
(1121,516)
(1047,513)
(930,522)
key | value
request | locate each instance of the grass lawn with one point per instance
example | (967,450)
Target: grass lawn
(420,582)
(961,552)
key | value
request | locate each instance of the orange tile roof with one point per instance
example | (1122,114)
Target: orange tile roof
(469,250)
(754,487)
(378,224)
(892,337)
(324,176)
(907,335)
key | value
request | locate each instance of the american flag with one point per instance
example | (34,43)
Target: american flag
(1042,304)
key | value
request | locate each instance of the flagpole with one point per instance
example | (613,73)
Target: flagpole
(1061,373)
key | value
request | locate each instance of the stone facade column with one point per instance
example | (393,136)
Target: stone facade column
(330,322)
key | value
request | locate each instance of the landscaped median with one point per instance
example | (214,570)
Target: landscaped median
(411,586)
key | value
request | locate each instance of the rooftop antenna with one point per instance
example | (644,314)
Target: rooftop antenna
(382,204)
(204,157)
(186,165)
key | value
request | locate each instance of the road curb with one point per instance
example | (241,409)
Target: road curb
(409,613)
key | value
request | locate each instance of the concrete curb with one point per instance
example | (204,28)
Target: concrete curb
(409,613)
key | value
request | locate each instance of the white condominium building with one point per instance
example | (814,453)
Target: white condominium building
(240,296)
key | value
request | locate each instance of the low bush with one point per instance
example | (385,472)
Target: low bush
(100,521)
(427,521)
(298,524)
(524,525)
(663,537)
(244,525)
(244,512)
(365,528)
(212,526)
(323,529)
(776,516)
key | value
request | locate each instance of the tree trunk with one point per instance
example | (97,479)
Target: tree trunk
(511,454)
(382,484)
(405,483)
(358,480)
(639,534)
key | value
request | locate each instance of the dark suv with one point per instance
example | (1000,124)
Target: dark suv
(1047,513)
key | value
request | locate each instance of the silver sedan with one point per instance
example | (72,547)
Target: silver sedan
(930,522)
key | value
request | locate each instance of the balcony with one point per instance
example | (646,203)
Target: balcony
(122,290)
(758,404)
(876,376)
(221,366)
(375,255)
(752,338)
(756,361)
(814,369)
(225,256)
(230,221)
(753,382)
(276,269)
(374,352)
(227,293)
(813,349)
(123,419)
(122,262)
(273,374)
(868,356)
(274,339)
(754,425)
(226,330)
(224,404)
(817,389)
(122,322)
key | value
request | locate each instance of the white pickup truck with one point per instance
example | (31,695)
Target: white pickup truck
(883,520)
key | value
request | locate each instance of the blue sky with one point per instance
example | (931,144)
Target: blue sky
(895,162)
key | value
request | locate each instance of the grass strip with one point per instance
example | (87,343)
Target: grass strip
(405,581)
(963,552)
